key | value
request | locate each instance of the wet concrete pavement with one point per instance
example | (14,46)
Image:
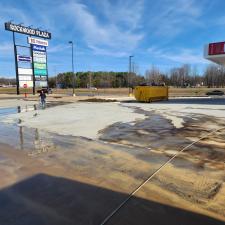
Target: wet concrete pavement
(54,179)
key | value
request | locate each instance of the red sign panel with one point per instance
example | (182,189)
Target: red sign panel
(216,48)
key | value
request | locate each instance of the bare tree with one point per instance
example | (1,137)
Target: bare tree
(215,76)
(153,76)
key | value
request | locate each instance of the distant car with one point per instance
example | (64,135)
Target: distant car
(93,88)
(49,91)
(215,92)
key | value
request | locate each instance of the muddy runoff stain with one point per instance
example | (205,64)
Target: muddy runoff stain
(159,134)
(195,179)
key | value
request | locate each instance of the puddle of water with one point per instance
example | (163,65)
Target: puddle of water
(28,139)
(27,108)
(32,140)
(7,111)
(20,137)
(13,134)
(18,109)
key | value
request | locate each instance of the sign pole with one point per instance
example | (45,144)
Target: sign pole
(47,68)
(16,65)
(32,64)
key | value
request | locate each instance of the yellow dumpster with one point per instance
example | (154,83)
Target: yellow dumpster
(150,93)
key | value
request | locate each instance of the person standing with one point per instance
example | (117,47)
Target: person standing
(42,99)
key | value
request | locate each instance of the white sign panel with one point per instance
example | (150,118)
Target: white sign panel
(27,78)
(40,59)
(28,83)
(23,71)
(37,41)
(40,78)
(41,84)
(38,53)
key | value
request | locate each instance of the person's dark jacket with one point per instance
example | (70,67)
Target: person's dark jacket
(42,96)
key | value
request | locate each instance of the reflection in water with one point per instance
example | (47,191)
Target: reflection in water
(18,109)
(27,108)
(36,134)
(31,137)
(37,141)
(26,139)
(21,137)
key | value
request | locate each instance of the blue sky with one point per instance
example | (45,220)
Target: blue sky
(164,33)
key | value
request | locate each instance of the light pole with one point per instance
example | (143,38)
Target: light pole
(129,76)
(71,42)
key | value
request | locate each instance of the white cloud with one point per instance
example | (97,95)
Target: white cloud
(110,52)
(6,48)
(27,15)
(58,48)
(123,12)
(12,13)
(170,17)
(184,56)
(110,36)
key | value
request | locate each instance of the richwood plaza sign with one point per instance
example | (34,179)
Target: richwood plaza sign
(27,30)
(31,69)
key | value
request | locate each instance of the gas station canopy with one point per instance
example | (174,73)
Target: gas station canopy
(215,52)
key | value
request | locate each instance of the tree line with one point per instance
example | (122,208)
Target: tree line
(187,76)
(96,79)
(183,76)
(7,81)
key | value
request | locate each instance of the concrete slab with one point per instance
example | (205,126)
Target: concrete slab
(77,119)
(49,178)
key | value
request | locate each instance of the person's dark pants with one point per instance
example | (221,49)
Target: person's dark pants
(43,103)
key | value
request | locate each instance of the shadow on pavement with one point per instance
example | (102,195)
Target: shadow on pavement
(48,200)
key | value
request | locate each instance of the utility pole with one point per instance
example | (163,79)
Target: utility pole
(90,79)
(129,75)
(71,42)
(55,78)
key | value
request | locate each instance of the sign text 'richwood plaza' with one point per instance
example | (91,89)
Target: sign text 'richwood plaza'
(27,30)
